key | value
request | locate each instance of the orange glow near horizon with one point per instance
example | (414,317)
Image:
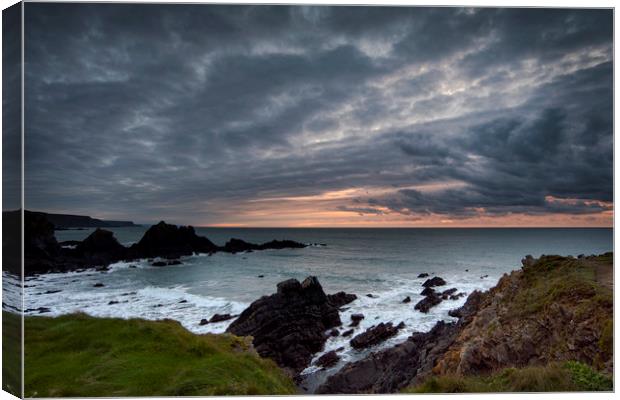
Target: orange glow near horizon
(322,210)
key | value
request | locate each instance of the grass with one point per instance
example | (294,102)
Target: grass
(81,356)
(556,279)
(567,377)
(11,353)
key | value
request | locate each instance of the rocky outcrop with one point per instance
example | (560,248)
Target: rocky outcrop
(328,359)
(552,310)
(171,241)
(340,299)
(238,245)
(44,254)
(546,312)
(431,300)
(436,281)
(289,326)
(221,317)
(391,370)
(101,248)
(375,335)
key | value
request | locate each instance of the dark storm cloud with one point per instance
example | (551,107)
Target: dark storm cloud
(179,111)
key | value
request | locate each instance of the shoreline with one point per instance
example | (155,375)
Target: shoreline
(599,263)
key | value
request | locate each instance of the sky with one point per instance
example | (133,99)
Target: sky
(320,116)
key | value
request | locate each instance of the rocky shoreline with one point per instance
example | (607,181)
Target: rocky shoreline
(43,253)
(554,309)
(492,331)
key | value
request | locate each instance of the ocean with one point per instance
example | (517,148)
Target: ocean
(383,263)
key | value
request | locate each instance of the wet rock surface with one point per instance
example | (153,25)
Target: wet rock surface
(490,335)
(436,281)
(289,326)
(44,254)
(375,335)
(428,302)
(340,299)
(221,317)
(390,370)
(328,359)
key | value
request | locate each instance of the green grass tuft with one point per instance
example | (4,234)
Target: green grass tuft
(11,353)
(568,377)
(82,356)
(586,379)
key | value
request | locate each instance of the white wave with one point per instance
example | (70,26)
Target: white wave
(151,303)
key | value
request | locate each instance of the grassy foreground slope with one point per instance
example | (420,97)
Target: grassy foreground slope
(82,356)
(570,376)
(11,353)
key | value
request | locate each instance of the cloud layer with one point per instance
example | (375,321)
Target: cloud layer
(309,115)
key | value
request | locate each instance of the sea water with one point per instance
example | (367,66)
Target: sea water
(384,263)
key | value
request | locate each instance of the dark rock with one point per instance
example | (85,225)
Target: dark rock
(372,296)
(423,275)
(112,302)
(221,317)
(428,291)
(391,370)
(528,261)
(375,335)
(52,291)
(484,276)
(98,285)
(238,245)
(446,293)
(348,333)
(436,281)
(457,296)
(182,301)
(204,321)
(289,326)
(133,266)
(159,264)
(339,349)
(407,299)
(357,317)
(41,310)
(334,332)
(43,253)
(340,299)
(261,276)
(165,240)
(328,359)
(101,247)
(429,301)
(470,306)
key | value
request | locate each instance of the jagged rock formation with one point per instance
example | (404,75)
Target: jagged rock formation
(44,254)
(390,370)
(171,241)
(548,311)
(375,335)
(289,326)
(554,309)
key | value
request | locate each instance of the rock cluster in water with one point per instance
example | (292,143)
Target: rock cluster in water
(289,326)
(44,254)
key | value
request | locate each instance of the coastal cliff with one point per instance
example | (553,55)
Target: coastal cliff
(43,253)
(545,327)
(552,311)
